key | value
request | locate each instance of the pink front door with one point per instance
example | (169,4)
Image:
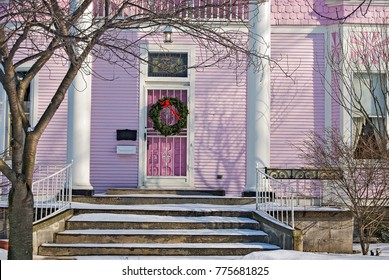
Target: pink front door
(166,156)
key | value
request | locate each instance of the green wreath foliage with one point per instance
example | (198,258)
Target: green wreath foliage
(163,128)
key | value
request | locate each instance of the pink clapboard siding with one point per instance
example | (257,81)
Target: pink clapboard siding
(220,129)
(52,145)
(220,117)
(219,125)
(297,103)
(115,105)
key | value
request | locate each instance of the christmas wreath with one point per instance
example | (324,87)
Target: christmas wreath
(178,109)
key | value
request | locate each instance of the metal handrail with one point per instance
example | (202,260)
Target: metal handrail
(53,193)
(275,198)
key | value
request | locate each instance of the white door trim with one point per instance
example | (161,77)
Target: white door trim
(187,83)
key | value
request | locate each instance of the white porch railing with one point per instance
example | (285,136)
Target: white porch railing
(275,198)
(219,10)
(52,193)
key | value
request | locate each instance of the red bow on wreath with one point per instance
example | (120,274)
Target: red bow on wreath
(166,104)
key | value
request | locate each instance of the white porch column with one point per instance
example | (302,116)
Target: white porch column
(79,120)
(258,92)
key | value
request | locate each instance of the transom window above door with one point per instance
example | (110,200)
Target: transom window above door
(172,64)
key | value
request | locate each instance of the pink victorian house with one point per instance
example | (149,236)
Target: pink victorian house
(234,123)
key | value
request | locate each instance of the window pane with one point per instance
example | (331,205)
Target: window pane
(168,64)
(369,118)
(369,92)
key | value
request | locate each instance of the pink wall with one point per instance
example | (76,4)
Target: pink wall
(220,129)
(220,116)
(297,103)
(52,146)
(114,106)
(297,106)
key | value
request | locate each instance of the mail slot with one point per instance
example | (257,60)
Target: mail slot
(126,134)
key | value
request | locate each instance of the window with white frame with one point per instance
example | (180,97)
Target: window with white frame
(370,113)
(172,64)
(27,107)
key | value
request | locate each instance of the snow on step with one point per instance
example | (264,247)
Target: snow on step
(199,232)
(107,217)
(251,245)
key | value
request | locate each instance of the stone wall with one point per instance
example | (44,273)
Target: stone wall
(280,234)
(44,232)
(325,229)
(317,229)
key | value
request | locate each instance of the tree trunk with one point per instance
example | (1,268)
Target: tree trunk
(364,241)
(21,218)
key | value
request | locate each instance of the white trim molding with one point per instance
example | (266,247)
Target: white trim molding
(4,109)
(147,82)
(355,2)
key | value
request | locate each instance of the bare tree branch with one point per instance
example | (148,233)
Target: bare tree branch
(342,18)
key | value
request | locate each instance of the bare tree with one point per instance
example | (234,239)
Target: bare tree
(40,32)
(362,187)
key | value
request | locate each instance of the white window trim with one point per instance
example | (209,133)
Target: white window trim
(33,96)
(354,2)
(5,110)
(345,120)
(353,115)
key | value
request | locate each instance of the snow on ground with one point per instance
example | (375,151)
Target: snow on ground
(268,255)
(294,255)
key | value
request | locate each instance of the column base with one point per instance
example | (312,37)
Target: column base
(248,194)
(84,190)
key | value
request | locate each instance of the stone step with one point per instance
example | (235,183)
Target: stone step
(166,210)
(126,191)
(168,223)
(155,249)
(150,199)
(130,221)
(161,236)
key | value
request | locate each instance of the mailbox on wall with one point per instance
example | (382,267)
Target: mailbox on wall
(126,134)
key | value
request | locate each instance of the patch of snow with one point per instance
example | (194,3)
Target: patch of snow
(264,255)
(168,207)
(3,254)
(255,245)
(171,196)
(109,217)
(227,232)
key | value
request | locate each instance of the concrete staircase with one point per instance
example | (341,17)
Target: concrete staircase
(163,223)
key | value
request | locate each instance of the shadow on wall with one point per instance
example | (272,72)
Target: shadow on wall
(298,102)
(220,134)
